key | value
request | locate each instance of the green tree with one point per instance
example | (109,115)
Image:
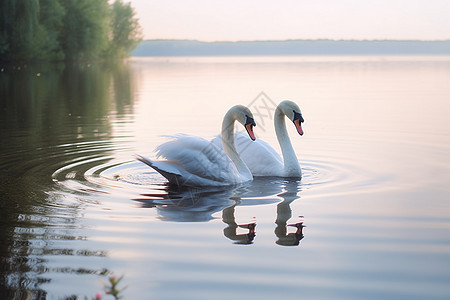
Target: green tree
(85,28)
(5,25)
(66,29)
(126,32)
(51,16)
(21,28)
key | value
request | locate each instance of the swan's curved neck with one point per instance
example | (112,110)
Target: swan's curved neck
(291,165)
(229,145)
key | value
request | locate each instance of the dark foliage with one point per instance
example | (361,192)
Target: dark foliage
(66,29)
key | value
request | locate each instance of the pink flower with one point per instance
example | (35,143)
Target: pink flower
(98,296)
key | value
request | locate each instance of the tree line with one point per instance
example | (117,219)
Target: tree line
(67,29)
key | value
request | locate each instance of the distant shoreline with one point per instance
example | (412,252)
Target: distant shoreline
(291,47)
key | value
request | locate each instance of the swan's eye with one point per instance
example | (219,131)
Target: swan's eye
(298,116)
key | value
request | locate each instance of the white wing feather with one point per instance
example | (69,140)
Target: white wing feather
(196,161)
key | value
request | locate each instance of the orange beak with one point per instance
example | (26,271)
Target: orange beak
(250,132)
(298,125)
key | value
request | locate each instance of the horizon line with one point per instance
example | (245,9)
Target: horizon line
(290,40)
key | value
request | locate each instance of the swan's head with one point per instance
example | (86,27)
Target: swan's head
(293,112)
(244,116)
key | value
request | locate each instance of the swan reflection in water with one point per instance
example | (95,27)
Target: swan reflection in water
(188,204)
(284,213)
(231,230)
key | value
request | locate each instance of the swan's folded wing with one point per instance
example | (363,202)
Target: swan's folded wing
(259,156)
(198,157)
(244,144)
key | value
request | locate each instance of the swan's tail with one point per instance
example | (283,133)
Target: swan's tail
(162,168)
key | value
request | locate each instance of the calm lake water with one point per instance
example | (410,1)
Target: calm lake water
(77,207)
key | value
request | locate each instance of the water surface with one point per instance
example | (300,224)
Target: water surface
(76,206)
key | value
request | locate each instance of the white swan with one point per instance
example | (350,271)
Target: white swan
(261,158)
(194,161)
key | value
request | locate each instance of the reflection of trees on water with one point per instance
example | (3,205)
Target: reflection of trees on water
(47,102)
(41,108)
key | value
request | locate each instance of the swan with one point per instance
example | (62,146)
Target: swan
(194,161)
(261,158)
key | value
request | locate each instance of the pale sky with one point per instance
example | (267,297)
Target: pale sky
(232,20)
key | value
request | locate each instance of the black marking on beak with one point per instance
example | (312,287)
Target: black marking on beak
(249,120)
(298,116)
(298,120)
(249,123)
